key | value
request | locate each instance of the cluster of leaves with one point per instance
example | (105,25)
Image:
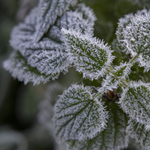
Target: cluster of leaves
(59,34)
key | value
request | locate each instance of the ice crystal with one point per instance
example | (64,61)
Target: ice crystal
(17,65)
(89,55)
(114,137)
(78,115)
(135,101)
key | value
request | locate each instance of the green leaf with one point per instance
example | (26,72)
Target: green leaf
(49,55)
(133,35)
(17,65)
(135,101)
(114,137)
(78,115)
(89,55)
(139,133)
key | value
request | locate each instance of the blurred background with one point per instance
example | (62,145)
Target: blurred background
(20,105)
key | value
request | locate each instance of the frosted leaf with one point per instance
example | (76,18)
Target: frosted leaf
(50,10)
(23,33)
(114,137)
(135,37)
(49,55)
(139,133)
(135,101)
(89,55)
(123,22)
(123,70)
(17,65)
(78,115)
(88,13)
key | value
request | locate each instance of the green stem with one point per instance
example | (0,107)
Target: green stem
(134,58)
(111,70)
(98,94)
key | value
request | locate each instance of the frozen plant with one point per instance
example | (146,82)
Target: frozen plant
(58,34)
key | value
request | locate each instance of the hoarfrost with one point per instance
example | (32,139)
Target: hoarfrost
(133,35)
(78,115)
(135,101)
(139,133)
(18,67)
(114,137)
(89,55)
(49,55)
(49,12)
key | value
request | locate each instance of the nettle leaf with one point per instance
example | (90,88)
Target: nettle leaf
(114,137)
(78,115)
(49,55)
(135,101)
(139,133)
(89,55)
(17,65)
(123,22)
(135,37)
(50,10)
(23,34)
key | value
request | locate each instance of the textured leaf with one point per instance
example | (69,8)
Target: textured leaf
(123,22)
(50,10)
(135,101)
(89,55)
(18,67)
(49,55)
(78,115)
(114,137)
(135,36)
(23,33)
(139,133)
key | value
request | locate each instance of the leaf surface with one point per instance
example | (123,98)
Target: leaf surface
(89,55)
(17,65)
(78,115)
(135,101)
(139,133)
(50,10)
(114,137)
